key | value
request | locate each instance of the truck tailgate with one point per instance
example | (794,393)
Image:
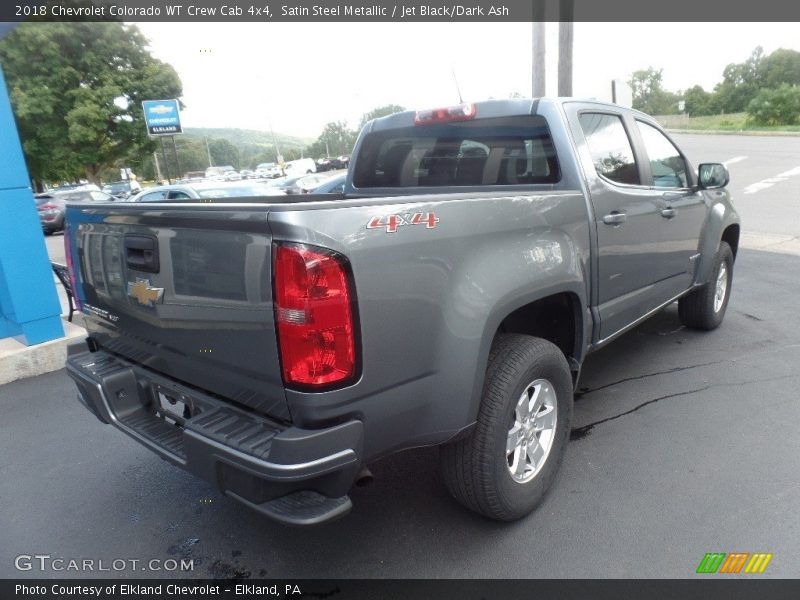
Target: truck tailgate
(184,290)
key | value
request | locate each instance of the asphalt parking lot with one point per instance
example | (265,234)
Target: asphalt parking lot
(683,443)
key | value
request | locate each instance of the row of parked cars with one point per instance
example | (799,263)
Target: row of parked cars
(51,205)
(271,170)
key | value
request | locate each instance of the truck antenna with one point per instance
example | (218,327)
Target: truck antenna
(458,89)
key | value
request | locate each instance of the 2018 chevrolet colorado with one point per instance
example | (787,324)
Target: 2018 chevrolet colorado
(277,346)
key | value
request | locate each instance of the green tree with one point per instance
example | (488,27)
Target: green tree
(740,83)
(698,102)
(335,139)
(77,90)
(779,106)
(649,95)
(377,113)
(223,153)
(782,66)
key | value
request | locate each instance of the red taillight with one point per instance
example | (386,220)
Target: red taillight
(461,112)
(47,207)
(73,280)
(314,317)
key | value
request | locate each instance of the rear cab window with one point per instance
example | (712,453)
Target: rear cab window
(484,152)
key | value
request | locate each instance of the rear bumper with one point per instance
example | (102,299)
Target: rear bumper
(262,463)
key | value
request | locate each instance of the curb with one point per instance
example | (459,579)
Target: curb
(731,132)
(18,361)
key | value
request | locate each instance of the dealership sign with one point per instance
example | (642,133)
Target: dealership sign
(162,117)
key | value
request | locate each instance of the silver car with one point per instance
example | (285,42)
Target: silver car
(205,191)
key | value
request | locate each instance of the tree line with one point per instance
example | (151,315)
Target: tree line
(767,87)
(77,91)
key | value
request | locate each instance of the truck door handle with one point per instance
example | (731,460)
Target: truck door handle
(615,218)
(141,253)
(668,213)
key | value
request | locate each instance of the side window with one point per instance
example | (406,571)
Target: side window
(610,147)
(175,195)
(152,197)
(666,163)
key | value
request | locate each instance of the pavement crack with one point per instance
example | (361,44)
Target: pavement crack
(579,433)
(585,391)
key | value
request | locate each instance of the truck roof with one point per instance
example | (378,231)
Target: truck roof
(494,108)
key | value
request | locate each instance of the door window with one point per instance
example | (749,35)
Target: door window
(610,147)
(666,163)
(153,196)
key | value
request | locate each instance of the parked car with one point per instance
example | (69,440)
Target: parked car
(51,205)
(301,166)
(287,185)
(247,174)
(269,170)
(219,170)
(205,190)
(311,184)
(65,187)
(481,251)
(121,189)
(324,164)
(330,185)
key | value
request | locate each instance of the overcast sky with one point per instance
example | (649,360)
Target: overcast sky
(303,75)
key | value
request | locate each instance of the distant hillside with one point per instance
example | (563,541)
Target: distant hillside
(247,137)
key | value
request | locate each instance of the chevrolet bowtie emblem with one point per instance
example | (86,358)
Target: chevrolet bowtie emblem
(144,294)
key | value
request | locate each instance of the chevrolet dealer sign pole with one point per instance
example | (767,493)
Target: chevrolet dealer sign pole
(163,117)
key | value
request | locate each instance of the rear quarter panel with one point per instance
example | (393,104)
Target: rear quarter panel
(431,299)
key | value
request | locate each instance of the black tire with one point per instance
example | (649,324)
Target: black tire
(697,310)
(476,469)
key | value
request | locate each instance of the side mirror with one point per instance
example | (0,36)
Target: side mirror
(712,176)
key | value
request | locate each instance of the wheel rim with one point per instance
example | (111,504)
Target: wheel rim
(721,288)
(532,431)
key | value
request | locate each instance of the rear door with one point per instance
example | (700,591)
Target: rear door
(185,291)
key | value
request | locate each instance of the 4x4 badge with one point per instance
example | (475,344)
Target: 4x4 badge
(392,222)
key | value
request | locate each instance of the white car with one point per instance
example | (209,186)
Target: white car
(300,166)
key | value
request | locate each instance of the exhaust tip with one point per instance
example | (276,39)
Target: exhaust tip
(365,477)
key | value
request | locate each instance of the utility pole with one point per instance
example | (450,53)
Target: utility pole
(566,11)
(178,174)
(166,163)
(208,151)
(278,157)
(158,168)
(538,38)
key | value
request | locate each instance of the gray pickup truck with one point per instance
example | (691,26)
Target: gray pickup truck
(278,346)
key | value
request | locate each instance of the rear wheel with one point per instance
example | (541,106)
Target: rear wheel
(705,307)
(506,465)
